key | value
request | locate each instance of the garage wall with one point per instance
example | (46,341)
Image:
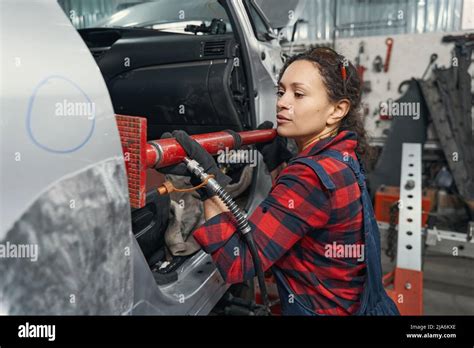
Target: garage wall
(354,18)
(405,63)
(361,18)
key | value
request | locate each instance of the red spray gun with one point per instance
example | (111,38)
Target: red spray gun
(141,154)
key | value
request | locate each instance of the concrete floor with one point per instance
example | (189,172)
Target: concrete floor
(448,283)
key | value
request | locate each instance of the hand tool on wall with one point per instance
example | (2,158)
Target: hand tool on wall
(365,85)
(433,59)
(389,43)
(377,64)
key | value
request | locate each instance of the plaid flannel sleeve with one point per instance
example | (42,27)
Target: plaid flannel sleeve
(296,204)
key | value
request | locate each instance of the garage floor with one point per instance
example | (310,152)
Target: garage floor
(448,283)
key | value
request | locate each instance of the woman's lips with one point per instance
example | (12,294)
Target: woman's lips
(282,119)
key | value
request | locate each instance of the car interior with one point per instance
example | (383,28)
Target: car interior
(144,69)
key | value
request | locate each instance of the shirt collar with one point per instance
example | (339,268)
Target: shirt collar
(344,141)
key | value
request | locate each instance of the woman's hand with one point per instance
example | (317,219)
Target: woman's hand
(198,153)
(275,153)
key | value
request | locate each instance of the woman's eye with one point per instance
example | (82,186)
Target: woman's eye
(299,95)
(280,93)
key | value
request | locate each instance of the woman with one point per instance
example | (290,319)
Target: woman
(316,229)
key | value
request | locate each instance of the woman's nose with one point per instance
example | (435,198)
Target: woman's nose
(282,103)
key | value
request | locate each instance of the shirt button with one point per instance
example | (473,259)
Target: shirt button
(264,210)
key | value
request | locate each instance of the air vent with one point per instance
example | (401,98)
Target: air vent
(213,49)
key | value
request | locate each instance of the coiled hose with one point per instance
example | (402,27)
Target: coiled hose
(242,223)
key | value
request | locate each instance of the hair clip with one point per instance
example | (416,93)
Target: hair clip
(344,77)
(343,72)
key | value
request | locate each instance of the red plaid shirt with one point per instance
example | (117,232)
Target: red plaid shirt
(294,229)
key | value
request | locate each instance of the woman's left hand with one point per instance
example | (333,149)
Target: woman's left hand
(275,153)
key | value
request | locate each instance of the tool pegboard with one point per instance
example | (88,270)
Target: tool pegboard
(409,58)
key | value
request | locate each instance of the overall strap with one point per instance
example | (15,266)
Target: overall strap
(353,164)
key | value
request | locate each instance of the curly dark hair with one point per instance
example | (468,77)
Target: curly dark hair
(342,82)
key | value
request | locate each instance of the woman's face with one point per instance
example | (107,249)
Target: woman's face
(303,106)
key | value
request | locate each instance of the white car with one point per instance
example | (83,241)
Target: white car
(69,241)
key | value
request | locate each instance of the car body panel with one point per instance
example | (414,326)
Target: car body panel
(62,180)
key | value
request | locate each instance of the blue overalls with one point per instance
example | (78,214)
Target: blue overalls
(374,300)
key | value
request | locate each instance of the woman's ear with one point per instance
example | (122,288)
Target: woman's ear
(341,108)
